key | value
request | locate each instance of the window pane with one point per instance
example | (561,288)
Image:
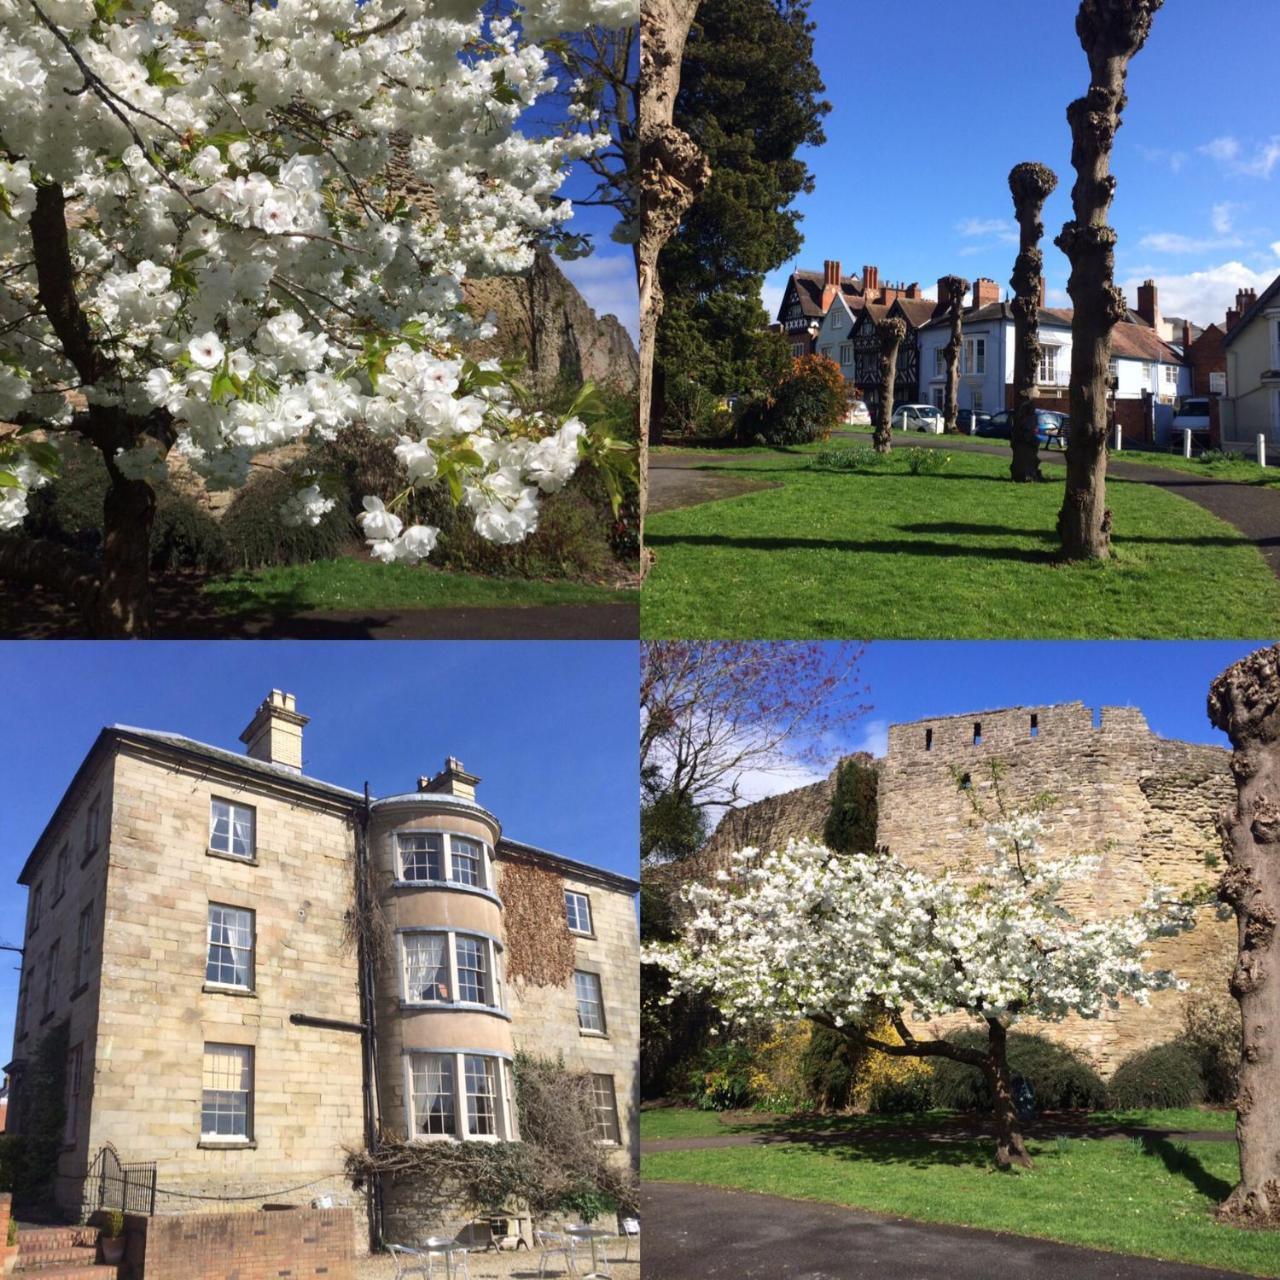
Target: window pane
(231,828)
(471,970)
(481,1113)
(578,910)
(590,1012)
(606,1105)
(421,855)
(434,1110)
(228,1079)
(466,861)
(230,958)
(426,966)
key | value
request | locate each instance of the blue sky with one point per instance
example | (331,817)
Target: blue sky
(934,102)
(911,680)
(550,728)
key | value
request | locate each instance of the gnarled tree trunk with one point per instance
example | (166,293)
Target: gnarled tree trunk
(1010,1148)
(125,605)
(1031,185)
(672,174)
(956,287)
(1245,703)
(1111,31)
(891,332)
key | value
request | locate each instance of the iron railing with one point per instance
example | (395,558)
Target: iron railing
(110,1184)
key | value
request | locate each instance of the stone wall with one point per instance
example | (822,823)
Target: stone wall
(1146,804)
(278,1245)
(157,1012)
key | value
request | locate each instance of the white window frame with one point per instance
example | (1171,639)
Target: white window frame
(249,1056)
(450,860)
(75,1068)
(826,350)
(606,1105)
(598,1001)
(1170,374)
(500,1077)
(939,362)
(234,807)
(975,356)
(939,397)
(1047,371)
(249,951)
(570,912)
(846,353)
(1146,375)
(84,944)
(491,951)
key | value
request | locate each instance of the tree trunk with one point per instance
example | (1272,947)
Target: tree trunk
(956,288)
(1010,1148)
(891,332)
(1031,185)
(126,609)
(1111,32)
(672,173)
(1245,703)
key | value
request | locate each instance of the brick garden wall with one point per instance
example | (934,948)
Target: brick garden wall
(277,1245)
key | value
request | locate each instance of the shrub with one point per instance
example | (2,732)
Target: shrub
(11,1236)
(689,409)
(829,1067)
(184,536)
(806,406)
(909,1093)
(1061,1080)
(112,1224)
(926,462)
(1166,1075)
(255,536)
(1212,1032)
(777,1082)
(720,1079)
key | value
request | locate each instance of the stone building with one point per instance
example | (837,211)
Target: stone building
(190,933)
(1146,804)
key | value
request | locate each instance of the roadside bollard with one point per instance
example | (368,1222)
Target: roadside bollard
(1119,439)
(1186,442)
(1262,450)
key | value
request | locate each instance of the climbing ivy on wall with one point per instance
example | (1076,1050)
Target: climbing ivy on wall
(540,949)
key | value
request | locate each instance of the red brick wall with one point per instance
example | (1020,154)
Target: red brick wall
(1207,355)
(286,1244)
(1128,413)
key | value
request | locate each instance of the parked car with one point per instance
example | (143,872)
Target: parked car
(1051,428)
(1193,414)
(918,417)
(857,414)
(971,420)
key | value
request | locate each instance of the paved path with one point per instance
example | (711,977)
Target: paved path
(705,1233)
(674,481)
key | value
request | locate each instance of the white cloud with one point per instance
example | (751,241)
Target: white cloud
(1001,228)
(608,282)
(1231,154)
(1221,217)
(1202,296)
(1275,247)
(1161,155)
(874,738)
(771,297)
(1174,242)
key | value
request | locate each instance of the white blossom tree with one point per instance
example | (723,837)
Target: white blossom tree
(844,940)
(227,225)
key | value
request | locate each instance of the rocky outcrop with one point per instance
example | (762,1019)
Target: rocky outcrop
(542,317)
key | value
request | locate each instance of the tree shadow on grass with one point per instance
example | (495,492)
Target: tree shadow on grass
(962,529)
(880,546)
(1179,1160)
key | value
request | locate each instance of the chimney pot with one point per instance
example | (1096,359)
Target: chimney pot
(452,780)
(274,735)
(985,292)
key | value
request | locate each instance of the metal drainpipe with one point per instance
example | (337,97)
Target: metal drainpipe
(372,1105)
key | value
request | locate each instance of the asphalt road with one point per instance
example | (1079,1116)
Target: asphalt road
(705,1233)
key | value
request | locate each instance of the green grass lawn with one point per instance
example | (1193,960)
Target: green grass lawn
(365,584)
(882,554)
(1148,1197)
(684,1122)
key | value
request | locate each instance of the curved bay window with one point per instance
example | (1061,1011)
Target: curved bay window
(440,967)
(442,858)
(460,1095)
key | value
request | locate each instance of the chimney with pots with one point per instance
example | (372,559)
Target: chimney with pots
(1245,298)
(1149,303)
(452,780)
(985,292)
(913,289)
(830,283)
(870,282)
(275,732)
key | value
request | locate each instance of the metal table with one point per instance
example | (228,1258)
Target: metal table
(446,1247)
(590,1233)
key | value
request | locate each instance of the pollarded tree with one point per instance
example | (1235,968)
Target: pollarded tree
(226,228)
(891,331)
(845,939)
(956,287)
(1244,702)
(1112,32)
(1031,185)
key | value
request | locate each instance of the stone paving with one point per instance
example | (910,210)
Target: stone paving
(518,1265)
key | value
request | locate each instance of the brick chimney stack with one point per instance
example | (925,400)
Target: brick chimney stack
(274,734)
(830,282)
(913,289)
(452,780)
(1149,303)
(1186,335)
(985,292)
(1042,294)
(871,283)
(1245,298)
